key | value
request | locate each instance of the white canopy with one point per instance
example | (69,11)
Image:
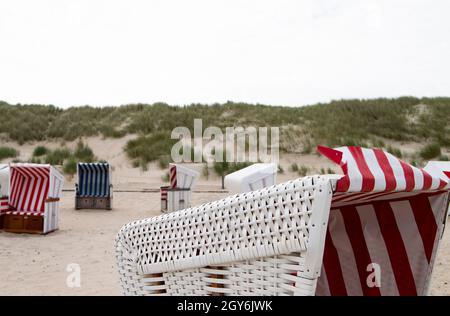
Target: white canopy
(254,177)
(182,177)
(4,179)
(439,169)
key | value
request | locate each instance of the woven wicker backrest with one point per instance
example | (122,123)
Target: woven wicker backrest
(181,252)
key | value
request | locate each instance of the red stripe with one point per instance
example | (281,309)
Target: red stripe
(426,222)
(409,175)
(427,180)
(30,195)
(343,196)
(31,206)
(333,269)
(343,183)
(39,203)
(173,176)
(24,195)
(447,173)
(368,180)
(17,187)
(355,233)
(386,167)
(396,248)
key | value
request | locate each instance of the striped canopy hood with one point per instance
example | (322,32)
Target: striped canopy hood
(94,179)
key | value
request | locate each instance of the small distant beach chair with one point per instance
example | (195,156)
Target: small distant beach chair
(33,201)
(4,191)
(253,177)
(177,195)
(374,230)
(94,189)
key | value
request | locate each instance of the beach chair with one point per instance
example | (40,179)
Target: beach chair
(374,230)
(177,195)
(254,177)
(94,189)
(33,201)
(4,191)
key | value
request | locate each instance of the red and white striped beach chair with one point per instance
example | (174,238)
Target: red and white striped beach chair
(386,219)
(177,195)
(33,202)
(374,230)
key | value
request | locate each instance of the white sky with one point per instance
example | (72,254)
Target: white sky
(274,52)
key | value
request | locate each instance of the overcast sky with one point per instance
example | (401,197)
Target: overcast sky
(276,52)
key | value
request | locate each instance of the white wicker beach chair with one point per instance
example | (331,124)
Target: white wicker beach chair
(266,242)
(374,230)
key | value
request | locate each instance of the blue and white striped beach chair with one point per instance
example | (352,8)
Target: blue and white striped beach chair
(94,188)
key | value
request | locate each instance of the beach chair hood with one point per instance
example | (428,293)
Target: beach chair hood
(386,219)
(31,187)
(94,179)
(182,177)
(4,180)
(253,177)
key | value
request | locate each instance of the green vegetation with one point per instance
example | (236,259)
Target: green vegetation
(40,151)
(293,167)
(8,152)
(64,156)
(372,122)
(223,167)
(57,156)
(163,161)
(83,153)
(300,170)
(280,169)
(145,149)
(394,151)
(70,166)
(430,151)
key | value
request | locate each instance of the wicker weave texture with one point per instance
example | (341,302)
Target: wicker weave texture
(264,242)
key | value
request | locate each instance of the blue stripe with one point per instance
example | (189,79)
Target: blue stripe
(93,179)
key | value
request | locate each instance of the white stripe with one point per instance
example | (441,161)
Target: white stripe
(30,196)
(412,240)
(435,182)
(17,187)
(375,169)
(345,253)
(418,178)
(377,249)
(397,169)
(354,174)
(43,197)
(21,194)
(323,289)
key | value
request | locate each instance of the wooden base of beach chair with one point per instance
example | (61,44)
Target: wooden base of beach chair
(24,224)
(103,203)
(2,217)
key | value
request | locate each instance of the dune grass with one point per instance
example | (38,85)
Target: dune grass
(343,122)
(7,152)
